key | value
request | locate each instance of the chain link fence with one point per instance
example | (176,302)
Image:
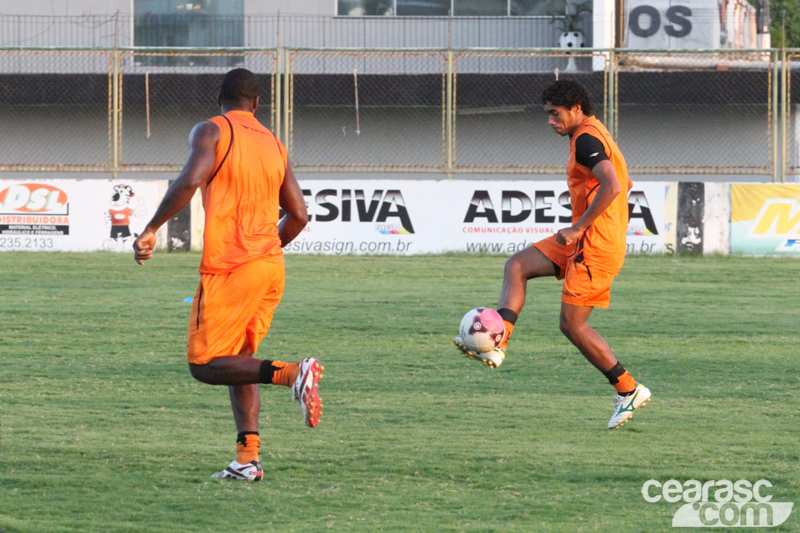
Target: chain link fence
(56,110)
(164,94)
(695,112)
(367,111)
(441,111)
(498,122)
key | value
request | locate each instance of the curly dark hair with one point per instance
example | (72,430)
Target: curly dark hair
(567,94)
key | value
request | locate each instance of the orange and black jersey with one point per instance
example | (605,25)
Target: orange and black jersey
(589,150)
(603,244)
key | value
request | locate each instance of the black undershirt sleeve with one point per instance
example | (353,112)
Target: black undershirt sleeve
(589,150)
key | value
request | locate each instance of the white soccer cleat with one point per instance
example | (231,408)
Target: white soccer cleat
(492,359)
(305,390)
(251,471)
(624,406)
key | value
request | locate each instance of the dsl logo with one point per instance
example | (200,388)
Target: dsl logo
(34,198)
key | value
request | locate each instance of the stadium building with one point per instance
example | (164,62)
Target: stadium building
(409,89)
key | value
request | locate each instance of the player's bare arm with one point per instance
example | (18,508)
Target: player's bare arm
(608,189)
(196,172)
(294,205)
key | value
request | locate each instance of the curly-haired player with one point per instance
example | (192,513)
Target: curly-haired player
(588,254)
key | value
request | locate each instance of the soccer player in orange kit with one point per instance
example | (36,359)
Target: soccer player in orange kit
(588,254)
(245,177)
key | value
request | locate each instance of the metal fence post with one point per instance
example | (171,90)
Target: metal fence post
(116,111)
(784,115)
(276,104)
(110,141)
(288,101)
(774,111)
(612,94)
(449,114)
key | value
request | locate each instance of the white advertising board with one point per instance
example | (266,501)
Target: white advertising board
(672,24)
(76,215)
(418,217)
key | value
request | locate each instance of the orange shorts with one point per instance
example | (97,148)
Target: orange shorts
(231,312)
(583,285)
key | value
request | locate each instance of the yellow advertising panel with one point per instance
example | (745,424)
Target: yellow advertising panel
(765,219)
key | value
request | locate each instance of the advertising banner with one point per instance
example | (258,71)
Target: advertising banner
(76,215)
(663,24)
(765,219)
(417,217)
(689,24)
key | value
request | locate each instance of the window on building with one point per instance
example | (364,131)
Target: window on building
(201,23)
(423,8)
(480,8)
(366,8)
(403,8)
(529,8)
(442,8)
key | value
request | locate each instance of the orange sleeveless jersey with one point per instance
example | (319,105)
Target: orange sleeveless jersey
(241,200)
(604,242)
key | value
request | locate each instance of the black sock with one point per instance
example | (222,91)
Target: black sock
(241,436)
(614,373)
(508,315)
(266,371)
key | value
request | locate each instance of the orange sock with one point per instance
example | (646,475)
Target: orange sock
(625,384)
(285,373)
(507,335)
(247,446)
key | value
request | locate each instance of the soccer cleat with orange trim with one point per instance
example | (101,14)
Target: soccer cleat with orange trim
(251,471)
(305,390)
(624,406)
(492,359)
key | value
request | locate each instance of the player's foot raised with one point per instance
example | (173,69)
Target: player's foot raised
(251,471)
(492,359)
(305,390)
(624,406)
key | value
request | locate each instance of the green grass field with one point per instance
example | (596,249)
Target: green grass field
(103,429)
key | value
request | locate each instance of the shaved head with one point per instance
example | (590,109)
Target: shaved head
(239,87)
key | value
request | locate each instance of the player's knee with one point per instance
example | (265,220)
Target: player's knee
(564,325)
(568,327)
(527,264)
(514,267)
(201,373)
(573,327)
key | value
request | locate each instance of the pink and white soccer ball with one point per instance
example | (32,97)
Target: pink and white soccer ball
(482,329)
